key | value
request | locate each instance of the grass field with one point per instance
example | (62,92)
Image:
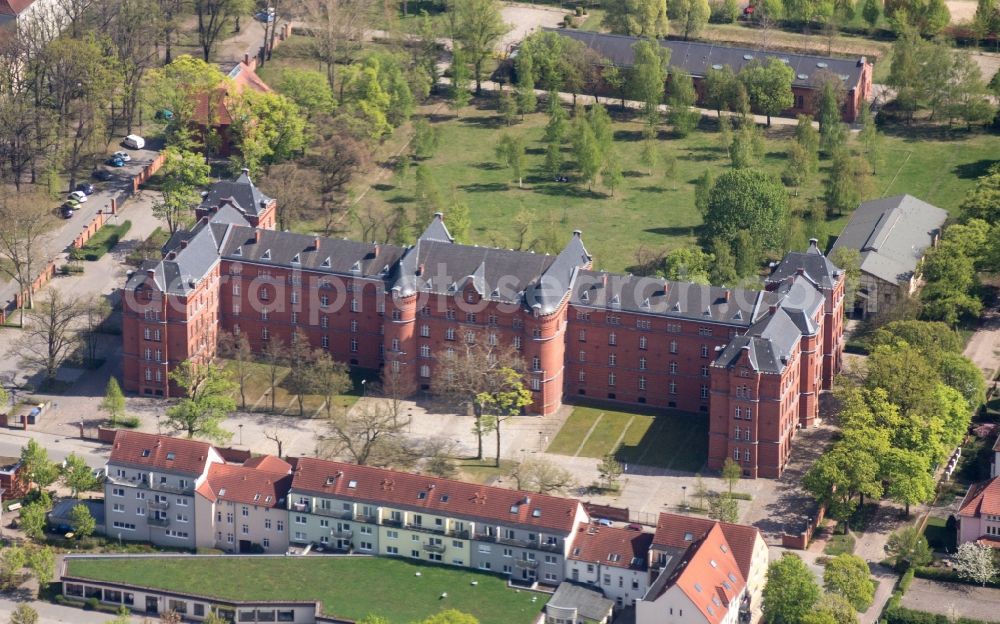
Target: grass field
(939,536)
(258,389)
(343,585)
(669,439)
(654,211)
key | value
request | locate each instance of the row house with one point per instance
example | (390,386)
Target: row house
(613,560)
(754,361)
(979,513)
(384,512)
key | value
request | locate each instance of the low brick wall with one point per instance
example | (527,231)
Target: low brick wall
(801,540)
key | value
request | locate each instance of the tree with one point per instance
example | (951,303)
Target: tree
(681,97)
(908,476)
(309,90)
(77,475)
(537,474)
(213,15)
(747,199)
(337,30)
(268,127)
(236,347)
(502,401)
(586,151)
(836,609)
(24,221)
(328,378)
(460,77)
(790,592)
(274,356)
(689,16)
(183,174)
(507,107)
(450,616)
(114,401)
(702,191)
(871,12)
(908,547)
(33,518)
(510,153)
(208,400)
(974,562)
(808,137)
(731,473)
(610,471)
(844,188)
(82,522)
(24,614)
(12,561)
(968,98)
(38,470)
(616,80)
(687,264)
(476,26)
(638,18)
(831,129)
(769,86)
(747,147)
(300,358)
(468,376)
(369,434)
(723,507)
(721,88)
(648,76)
(797,166)
(527,101)
(848,576)
(649,156)
(849,260)
(612,174)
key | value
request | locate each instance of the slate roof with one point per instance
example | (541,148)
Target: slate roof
(982,498)
(654,295)
(891,234)
(590,604)
(611,546)
(557,280)
(262,485)
(697,58)
(812,263)
(240,193)
(147,450)
(673,531)
(456,499)
(187,263)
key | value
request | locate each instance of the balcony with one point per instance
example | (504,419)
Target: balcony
(483,537)
(460,533)
(392,522)
(300,506)
(172,489)
(556,548)
(331,513)
(528,564)
(426,528)
(435,548)
(360,517)
(342,533)
(516,542)
(160,522)
(155,504)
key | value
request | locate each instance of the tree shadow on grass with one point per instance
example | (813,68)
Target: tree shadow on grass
(400,199)
(677,230)
(491,123)
(487,165)
(535,151)
(383,187)
(973,170)
(628,136)
(632,173)
(569,190)
(488,187)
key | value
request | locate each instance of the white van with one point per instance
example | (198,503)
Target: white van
(134,141)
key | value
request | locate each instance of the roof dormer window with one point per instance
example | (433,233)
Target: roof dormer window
(352,484)
(171,456)
(267,254)
(356,267)
(688,537)
(238,251)
(296,260)
(514,509)
(421,495)
(536,513)
(145,452)
(326,263)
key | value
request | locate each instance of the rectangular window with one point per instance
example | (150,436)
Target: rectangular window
(517,342)
(611,379)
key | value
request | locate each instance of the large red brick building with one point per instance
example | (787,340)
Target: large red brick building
(752,361)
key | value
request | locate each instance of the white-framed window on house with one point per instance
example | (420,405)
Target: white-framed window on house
(536,384)
(612,339)
(704,392)
(704,350)
(325,341)
(425,371)
(673,346)
(449,334)
(643,342)
(354,345)
(324,322)
(736,454)
(612,359)
(582,377)
(356,305)
(425,331)
(265,334)
(583,356)
(517,342)
(492,340)
(536,363)
(295,320)
(642,363)
(611,378)
(673,387)
(673,368)
(395,344)
(746,455)
(642,383)
(425,351)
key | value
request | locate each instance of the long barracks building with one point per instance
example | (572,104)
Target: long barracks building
(753,361)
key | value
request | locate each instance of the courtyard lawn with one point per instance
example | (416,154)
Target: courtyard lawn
(839,544)
(344,585)
(939,537)
(258,392)
(651,212)
(664,438)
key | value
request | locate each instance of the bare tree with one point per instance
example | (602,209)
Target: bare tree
(74,11)
(337,28)
(50,333)
(327,378)
(295,190)
(25,131)
(95,312)
(213,15)
(438,453)
(538,474)
(236,347)
(274,357)
(23,223)
(273,436)
(468,377)
(367,434)
(300,359)
(134,30)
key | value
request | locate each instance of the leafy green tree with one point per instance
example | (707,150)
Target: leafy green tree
(831,128)
(747,199)
(268,127)
(808,137)
(961,374)
(721,88)
(769,86)
(510,153)
(600,124)
(12,560)
(730,11)
(908,477)
(681,96)
(647,79)
(797,167)
(459,218)
(649,154)
(78,476)
(553,160)
(24,614)
(871,12)
(748,251)
(82,521)
(968,98)
(507,107)
(637,18)
(848,260)
(908,547)
(207,402)
(426,138)
(616,80)
(747,147)
(612,175)
(460,77)
(183,174)
(527,101)
(931,338)
(687,264)
(791,590)
(723,507)
(844,188)
(178,87)
(702,191)
(610,471)
(556,128)
(37,468)
(689,16)
(114,401)
(819,617)
(33,518)
(586,151)
(840,474)
(476,26)
(328,378)
(309,90)
(502,402)
(848,576)
(42,564)
(950,277)
(731,473)
(724,269)
(928,17)
(871,139)
(450,616)
(836,609)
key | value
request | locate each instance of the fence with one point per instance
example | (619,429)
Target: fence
(800,540)
(51,268)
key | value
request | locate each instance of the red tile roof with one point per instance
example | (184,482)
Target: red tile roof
(248,485)
(677,531)
(982,498)
(147,450)
(432,494)
(610,546)
(14,7)
(244,78)
(268,463)
(709,575)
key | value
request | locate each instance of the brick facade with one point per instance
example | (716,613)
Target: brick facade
(754,361)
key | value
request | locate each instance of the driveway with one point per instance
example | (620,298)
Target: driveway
(984,345)
(525,19)
(953,600)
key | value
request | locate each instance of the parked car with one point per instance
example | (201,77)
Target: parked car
(66,211)
(603,522)
(114,161)
(72,203)
(134,141)
(79,196)
(125,157)
(103,174)
(634,527)
(165,114)
(265,16)
(86,187)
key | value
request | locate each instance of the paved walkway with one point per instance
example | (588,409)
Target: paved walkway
(953,600)
(984,345)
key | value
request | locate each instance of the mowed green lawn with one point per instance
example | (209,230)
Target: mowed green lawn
(654,212)
(258,392)
(665,438)
(348,587)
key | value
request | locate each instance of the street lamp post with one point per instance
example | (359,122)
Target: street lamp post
(684,490)
(241,434)
(364,387)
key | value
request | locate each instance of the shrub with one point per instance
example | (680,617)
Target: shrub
(901,615)
(904,582)
(947,576)
(70,269)
(92,604)
(741,496)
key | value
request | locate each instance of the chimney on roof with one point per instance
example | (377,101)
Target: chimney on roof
(420,270)
(157,445)
(666,287)
(171,255)
(377,249)
(316,243)
(245,171)
(800,271)
(256,236)
(604,280)
(439,216)
(577,233)
(862,61)
(184,244)
(772,308)
(727,294)
(814,243)
(150,273)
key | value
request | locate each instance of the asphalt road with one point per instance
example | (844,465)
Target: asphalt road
(12,440)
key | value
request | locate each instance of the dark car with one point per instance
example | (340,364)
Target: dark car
(115,162)
(165,114)
(66,211)
(634,527)
(102,174)
(86,188)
